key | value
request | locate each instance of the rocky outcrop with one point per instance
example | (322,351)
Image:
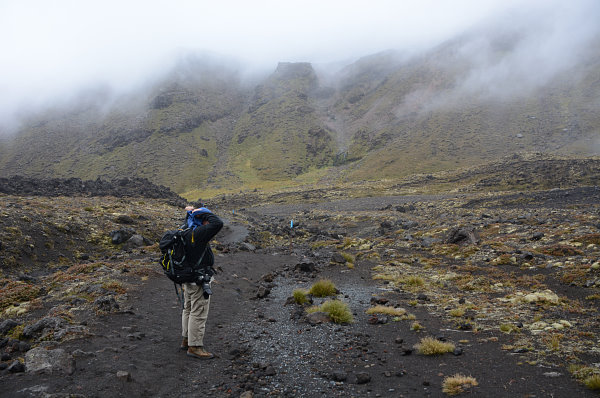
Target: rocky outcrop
(125,187)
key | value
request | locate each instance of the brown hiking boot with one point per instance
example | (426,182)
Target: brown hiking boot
(184,344)
(198,352)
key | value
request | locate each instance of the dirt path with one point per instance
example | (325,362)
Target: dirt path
(266,347)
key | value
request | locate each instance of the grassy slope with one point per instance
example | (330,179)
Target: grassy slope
(281,136)
(395,117)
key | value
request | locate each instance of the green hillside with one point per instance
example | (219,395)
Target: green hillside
(385,116)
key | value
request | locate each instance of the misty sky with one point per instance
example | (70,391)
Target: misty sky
(51,49)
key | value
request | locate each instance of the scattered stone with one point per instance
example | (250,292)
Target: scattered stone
(121,235)
(552,374)
(7,325)
(544,296)
(78,353)
(248,247)
(106,304)
(409,224)
(422,297)
(406,351)
(247,394)
(124,219)
(40,360)
(270,371)
(124,376)
(16,367)
(386,225)
(317,317)
(41,325)
(306,266)
(263,292)
(463,235)
(338,258)
(379,300)
(527,256)
(136,336)
(339,375)
(537,236)
(136,241)
(363,378)
(457,351)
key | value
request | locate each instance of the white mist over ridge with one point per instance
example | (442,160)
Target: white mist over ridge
(54,50)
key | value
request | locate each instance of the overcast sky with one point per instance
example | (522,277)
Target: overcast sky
(50,48)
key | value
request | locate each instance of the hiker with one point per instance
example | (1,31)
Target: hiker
(205,225)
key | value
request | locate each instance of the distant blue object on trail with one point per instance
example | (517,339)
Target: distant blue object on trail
(292,224)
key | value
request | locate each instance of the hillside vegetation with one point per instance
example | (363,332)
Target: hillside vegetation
(205,128)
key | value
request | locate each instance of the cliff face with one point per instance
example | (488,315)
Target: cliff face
(383,116)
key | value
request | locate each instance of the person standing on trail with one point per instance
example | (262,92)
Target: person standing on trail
(204,226)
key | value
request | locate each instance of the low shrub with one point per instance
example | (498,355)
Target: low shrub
(382,309)
(457,312)
(592,382)
(457,384)
(17,292)
(323,288)
(300,296)
(431,346)
(414,280)
(337,310)
(416,326)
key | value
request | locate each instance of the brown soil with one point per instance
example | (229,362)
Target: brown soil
(265,345)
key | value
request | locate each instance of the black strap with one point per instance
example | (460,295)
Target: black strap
(180,298)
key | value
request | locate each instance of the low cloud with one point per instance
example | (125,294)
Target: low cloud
(53,50)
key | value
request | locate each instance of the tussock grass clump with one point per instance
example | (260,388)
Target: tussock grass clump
(337,310)
(592,382)
(509,328)
(414,280)
(300,296)
(457,312)
(382,309)
(431,346)
(348,257)
(416,326)
(457,384)
(587,375)
(323,288)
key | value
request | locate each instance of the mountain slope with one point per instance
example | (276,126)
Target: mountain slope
(469,101)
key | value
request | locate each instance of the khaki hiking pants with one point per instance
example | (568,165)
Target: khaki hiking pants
(194,315)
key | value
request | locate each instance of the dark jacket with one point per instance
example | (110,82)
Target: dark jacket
(197,242)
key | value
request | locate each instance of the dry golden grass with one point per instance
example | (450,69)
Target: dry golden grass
(382,309)
(300,296)
(457,312)
(592,382)
(457,384)
(431,346)
(323,288)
